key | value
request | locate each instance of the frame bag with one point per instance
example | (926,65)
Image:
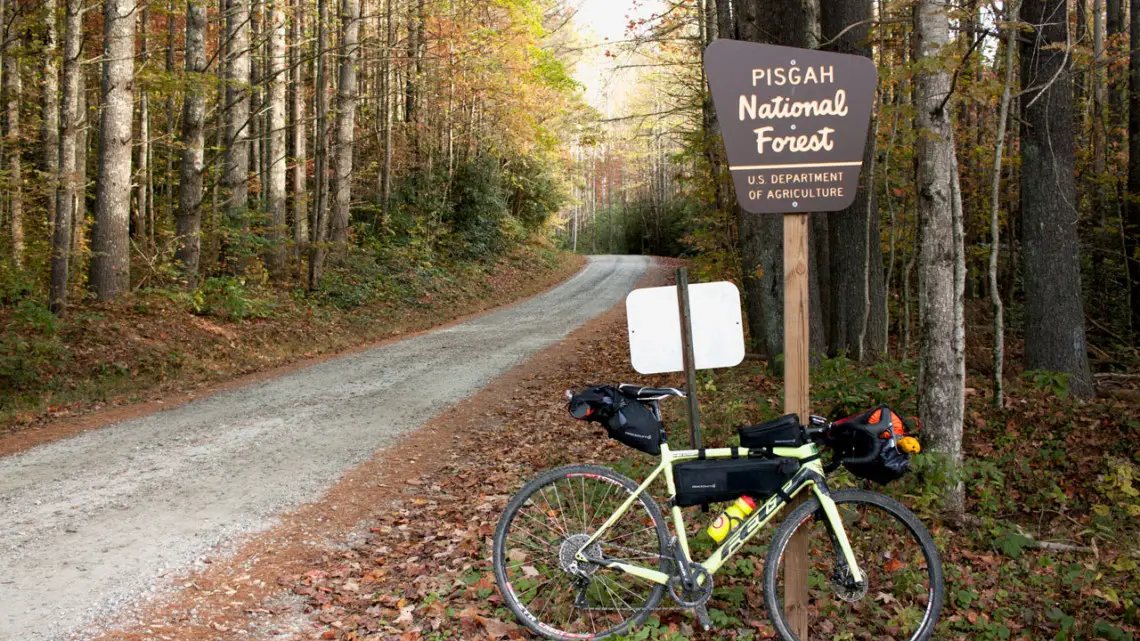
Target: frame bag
(626,419)
(702,482)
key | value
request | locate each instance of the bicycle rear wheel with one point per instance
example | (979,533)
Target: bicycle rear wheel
(541,532)
(902,594)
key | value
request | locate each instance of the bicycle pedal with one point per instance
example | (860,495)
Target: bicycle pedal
(703,617)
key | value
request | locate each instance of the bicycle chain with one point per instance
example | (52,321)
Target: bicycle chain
(675,608)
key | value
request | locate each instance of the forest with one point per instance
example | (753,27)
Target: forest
(163,144)
(195,190)
(995,227)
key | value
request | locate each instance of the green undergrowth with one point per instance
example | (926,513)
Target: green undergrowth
(1050,549)
(162,339)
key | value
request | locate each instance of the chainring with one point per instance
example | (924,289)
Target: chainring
(697,595)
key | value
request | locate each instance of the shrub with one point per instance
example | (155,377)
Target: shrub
(227,297)
(30,345)
(480,206)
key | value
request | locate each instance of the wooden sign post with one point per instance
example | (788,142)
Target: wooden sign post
(794,122)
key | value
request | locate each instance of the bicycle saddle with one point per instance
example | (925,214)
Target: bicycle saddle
(649,393)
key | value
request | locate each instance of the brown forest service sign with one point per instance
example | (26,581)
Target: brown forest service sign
(794,123)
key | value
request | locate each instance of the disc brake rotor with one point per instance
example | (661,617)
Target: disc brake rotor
(847,589)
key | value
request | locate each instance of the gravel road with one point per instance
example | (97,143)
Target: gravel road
(92,522)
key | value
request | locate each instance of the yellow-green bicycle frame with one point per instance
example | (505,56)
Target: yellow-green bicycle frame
(811,474)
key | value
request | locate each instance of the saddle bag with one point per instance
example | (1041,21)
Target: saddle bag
(781,432)
(626,419)
(702,482)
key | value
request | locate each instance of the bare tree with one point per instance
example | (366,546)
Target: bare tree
(345,119)
(110,242)
(188,222)
(941,396)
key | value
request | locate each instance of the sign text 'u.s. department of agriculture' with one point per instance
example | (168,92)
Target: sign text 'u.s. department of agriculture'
(794,123)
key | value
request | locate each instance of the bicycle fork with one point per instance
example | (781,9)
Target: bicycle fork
(846,566)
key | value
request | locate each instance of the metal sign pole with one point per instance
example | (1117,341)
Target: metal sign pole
(687,356)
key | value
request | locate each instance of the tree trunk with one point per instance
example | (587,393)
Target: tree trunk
(1132,204)
(171,120)
(256,107)
(68,187)
(142,204)
(275,190)
(995,208)
(320,203)
(1114,26)
(49,96)
(110,238)
(1054,317)
(941,387)
(1100,180)
(856,278)
(14,90)
(345,120)
(389,108)
(300,162)
(779,22)
(79,216)
(236,178)
(189,219)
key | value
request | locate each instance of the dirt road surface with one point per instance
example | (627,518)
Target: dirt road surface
(95,521)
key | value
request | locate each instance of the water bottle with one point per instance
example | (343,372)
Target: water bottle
(732,517)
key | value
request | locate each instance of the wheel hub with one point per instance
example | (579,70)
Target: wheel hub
(568,555)
(847,589)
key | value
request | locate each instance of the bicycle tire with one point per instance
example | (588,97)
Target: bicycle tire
(811,508)
(577,627)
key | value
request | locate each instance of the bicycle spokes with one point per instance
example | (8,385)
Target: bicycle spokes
(545,573)
(892,600)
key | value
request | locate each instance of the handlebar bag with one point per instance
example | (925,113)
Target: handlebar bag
(781,432)
(702,482)
(891,463)
(626,419)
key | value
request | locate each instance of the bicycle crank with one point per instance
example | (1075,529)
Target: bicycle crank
(692,587)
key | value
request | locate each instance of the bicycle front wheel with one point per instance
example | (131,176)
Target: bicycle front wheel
(540,534)
(902,592)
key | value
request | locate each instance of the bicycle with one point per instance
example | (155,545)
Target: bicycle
(584,552)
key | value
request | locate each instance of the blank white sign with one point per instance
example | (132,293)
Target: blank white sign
(655,327)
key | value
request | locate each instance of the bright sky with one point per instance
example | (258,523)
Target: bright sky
(597,20)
